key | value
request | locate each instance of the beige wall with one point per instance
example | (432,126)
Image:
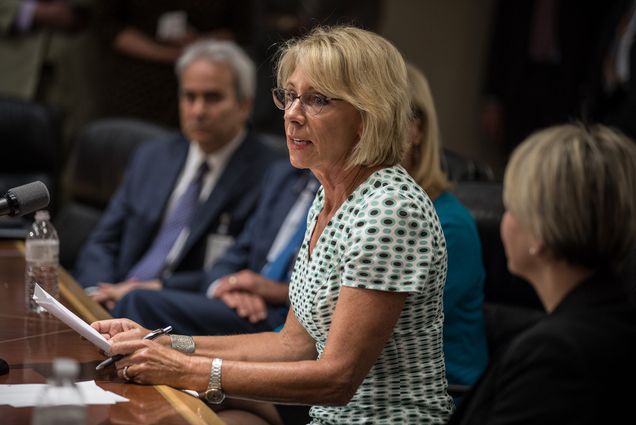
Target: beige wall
(448,40)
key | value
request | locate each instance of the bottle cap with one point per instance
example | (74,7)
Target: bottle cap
(42,215)
(65,368)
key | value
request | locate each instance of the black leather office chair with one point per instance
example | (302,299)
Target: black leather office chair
(95,169)
(459,168)
(484,200)
(510,303)
(30,135)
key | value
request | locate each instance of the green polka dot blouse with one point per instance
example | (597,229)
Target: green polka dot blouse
(386,236)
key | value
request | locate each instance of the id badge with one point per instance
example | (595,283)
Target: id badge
(217,244)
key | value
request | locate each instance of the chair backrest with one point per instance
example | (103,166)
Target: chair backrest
(458,168)
(510,303)
(101,154)
(97,164)
(30,135)
(483,199)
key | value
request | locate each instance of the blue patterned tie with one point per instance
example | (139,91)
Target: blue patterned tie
(153,261)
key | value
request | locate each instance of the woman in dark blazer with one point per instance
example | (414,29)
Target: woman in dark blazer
(570,197)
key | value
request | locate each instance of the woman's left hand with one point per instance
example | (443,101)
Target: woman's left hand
(120,329)
(244,280)
(247,281)
(108,294)
(152,363)
(250,307)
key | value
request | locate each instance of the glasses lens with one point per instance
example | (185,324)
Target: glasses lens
(313,102)
(279,96)
(310,102)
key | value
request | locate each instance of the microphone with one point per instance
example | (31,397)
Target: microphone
(24,199)
(4,367)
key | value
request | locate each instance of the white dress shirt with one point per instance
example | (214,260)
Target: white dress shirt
(217,162)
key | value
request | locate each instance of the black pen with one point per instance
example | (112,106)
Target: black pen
(117,357)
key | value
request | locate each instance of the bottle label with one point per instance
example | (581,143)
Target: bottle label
(42,251)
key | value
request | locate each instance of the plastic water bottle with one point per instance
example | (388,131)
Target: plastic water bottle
(42,250)
(61,402)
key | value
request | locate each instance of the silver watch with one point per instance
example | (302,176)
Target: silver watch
(214,394)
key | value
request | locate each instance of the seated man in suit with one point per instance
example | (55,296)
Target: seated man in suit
(183,199)
(246,289)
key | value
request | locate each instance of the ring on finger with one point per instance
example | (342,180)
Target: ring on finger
(125,373)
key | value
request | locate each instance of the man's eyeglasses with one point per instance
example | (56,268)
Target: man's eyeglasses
(310,102)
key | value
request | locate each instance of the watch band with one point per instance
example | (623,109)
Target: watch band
(215,374)
(214,394)
(183,343)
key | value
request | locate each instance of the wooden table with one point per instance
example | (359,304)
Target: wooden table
(29,343)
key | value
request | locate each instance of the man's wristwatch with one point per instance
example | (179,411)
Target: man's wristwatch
(214,394)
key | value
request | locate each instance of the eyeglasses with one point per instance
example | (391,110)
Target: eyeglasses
(310,102)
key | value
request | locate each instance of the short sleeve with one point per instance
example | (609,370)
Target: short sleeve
(391,245)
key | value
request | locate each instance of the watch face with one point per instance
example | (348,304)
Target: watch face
(214,395)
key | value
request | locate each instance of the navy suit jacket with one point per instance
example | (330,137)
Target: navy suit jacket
(134,214)
(284,185)
(195,314)
(575,366)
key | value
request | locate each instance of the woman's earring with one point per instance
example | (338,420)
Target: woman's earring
(533,250)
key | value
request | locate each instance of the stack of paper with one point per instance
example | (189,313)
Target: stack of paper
(58,310)
(26,395)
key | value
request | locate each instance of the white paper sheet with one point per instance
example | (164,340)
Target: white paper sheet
(192,393)
(26,395)
(54,307)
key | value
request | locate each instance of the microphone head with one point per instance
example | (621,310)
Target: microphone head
(28,198)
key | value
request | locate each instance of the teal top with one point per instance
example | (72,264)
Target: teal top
(465,350)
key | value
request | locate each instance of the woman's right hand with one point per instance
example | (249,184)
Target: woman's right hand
(119,330)
(148,362)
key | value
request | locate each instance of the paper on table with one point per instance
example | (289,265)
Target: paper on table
(94,394)
(54,307)
(26,395)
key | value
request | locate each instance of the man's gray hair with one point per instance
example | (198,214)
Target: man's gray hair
(225,52)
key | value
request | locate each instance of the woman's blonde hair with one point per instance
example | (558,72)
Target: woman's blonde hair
(575,189)
(365,70)
(427,168)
